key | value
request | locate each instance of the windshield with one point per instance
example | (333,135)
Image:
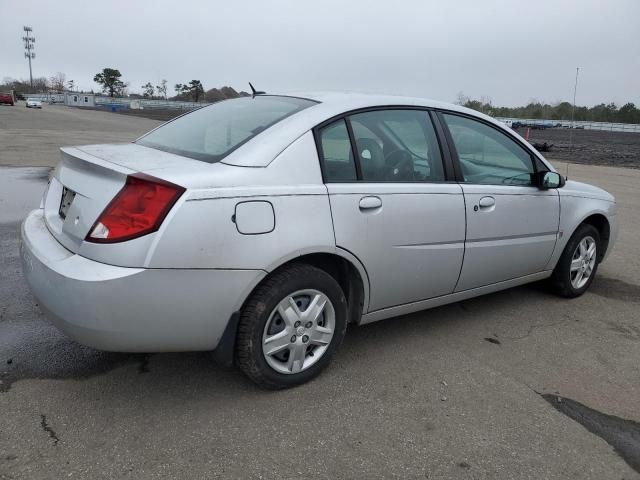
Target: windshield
(211,133)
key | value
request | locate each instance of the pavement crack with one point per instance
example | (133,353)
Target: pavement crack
(533,327)
(45,426)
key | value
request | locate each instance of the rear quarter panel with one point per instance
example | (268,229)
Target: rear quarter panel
(202,233)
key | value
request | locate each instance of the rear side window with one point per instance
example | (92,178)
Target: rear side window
(390,146)
(339,165)
(211,133)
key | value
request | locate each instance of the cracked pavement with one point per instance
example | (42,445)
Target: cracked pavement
(453,392)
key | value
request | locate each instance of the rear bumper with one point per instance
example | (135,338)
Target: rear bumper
(130,309)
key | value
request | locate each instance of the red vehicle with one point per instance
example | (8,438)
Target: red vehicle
(7,98)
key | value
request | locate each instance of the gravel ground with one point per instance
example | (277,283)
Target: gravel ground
(590,147)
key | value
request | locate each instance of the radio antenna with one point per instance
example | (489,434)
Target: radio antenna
(255,92)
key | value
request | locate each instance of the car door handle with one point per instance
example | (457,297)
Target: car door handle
(486,202)
(368,203)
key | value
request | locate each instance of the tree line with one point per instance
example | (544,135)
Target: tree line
(55,83)
(610,112)
(110,80)
(111,84)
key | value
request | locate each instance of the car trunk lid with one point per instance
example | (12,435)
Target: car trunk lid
(81,187)
(89,177)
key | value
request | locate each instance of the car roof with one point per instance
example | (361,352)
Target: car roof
(267,145)
(362,99)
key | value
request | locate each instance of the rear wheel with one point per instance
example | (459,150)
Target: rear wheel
(578,264)
(291,326)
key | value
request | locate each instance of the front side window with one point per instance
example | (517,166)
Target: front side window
(211,133)
(389,145)
(488,156)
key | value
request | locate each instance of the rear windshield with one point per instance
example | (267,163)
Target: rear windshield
(211,133)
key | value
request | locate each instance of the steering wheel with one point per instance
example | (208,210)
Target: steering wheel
(507,179)
(400,164)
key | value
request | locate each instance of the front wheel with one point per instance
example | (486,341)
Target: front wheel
(578,263)
(291,326)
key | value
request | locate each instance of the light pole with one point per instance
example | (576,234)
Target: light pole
(573,109)
(29,52)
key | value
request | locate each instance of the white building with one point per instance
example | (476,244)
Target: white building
(75,99)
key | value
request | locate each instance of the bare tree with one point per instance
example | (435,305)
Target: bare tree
(462,99)
(40,85)
(57,81)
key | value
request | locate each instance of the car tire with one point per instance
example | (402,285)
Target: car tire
(568,277)
(303,346)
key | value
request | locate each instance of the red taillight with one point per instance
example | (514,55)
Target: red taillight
(139,208)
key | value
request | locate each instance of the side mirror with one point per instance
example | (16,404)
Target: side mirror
(547,180)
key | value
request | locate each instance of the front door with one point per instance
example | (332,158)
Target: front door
(512,225)
(391,205)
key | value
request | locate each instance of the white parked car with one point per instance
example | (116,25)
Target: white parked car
(261,227)
(33,103)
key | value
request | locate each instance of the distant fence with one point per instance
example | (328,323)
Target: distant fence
(122,102)
(147,104)
(607,126)
(45,97)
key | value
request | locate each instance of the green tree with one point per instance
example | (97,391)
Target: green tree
(628,113)
(162,88)
(194,89)
(147,90)
(110,81)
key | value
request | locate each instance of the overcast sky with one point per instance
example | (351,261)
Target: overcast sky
(509,51)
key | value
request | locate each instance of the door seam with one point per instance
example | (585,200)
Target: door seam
(464,245)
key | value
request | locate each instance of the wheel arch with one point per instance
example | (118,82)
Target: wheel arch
(570,220)
(344,267)
(602,224)
(340,264)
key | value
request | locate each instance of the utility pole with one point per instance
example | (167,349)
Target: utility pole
(573,109)
(29,48)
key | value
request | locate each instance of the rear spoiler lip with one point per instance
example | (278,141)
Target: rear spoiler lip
(77,157)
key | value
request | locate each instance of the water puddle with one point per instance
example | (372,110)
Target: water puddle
(22,190)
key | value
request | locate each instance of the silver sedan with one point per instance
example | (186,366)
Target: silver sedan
(260,227)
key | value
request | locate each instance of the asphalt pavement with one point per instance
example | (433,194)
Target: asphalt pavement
(517,384)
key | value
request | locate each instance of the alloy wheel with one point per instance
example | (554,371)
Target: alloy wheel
(582,262)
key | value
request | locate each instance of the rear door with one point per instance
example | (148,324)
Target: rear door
(391,203)
(512,225)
